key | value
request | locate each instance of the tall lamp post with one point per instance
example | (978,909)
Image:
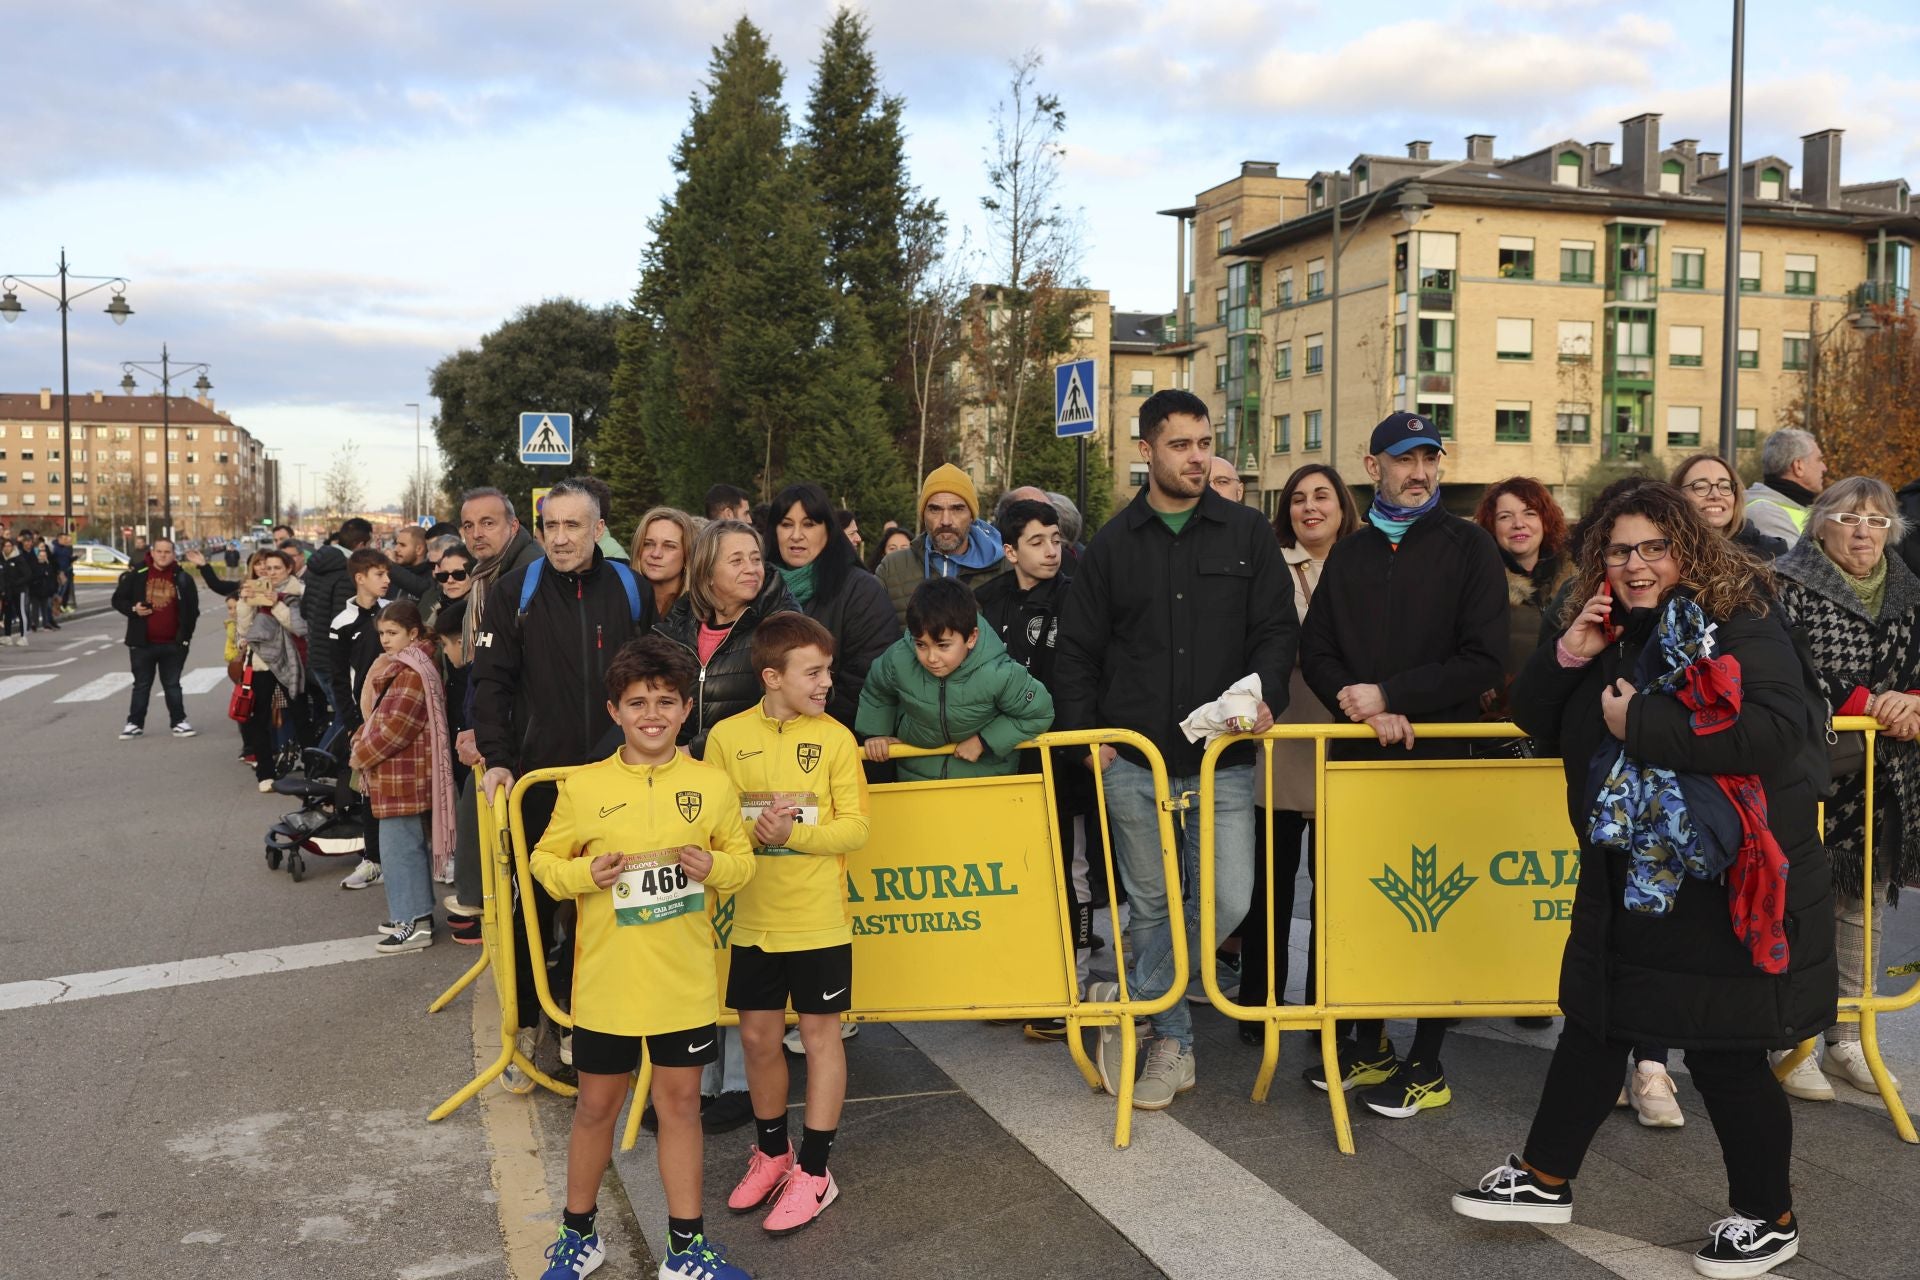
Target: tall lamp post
(10,310)
(419,476)
(1412,205)
(167,371)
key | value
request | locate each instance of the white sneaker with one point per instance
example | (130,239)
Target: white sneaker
(266,786)
(413,935)
(367,873)
(183,730)
(1848,1060)
(1169,1071)
(794,1044)
(1805,1081)
(1652,1095)
(566,1048)
(130,730)
(456,908)
(513,1079)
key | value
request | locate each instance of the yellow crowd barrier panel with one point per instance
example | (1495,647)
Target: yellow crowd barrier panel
(959,908)
(496,953)
(1434,861)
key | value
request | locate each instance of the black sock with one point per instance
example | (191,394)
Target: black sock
(1370,1034)
(682,1232)
(1428,1035)
(815,1146)
(581,1222)
(773,1135)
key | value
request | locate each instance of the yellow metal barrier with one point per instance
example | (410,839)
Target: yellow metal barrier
(496,953)
(1435,844)
(1000,910)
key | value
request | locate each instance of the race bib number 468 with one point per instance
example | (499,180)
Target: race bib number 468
(653,887)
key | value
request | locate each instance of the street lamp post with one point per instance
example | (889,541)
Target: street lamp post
(166,374)
(10,310)
(419,477)
(1412,205)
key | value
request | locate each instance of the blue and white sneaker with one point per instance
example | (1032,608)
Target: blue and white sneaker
(703,1260)
(573,1255)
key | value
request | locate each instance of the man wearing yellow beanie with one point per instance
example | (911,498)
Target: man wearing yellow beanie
(954,542)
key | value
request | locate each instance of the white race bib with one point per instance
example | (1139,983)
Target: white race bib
(755,803)
(654,887)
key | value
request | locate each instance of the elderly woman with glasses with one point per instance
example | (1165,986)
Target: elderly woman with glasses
(1856,609)
(1710,485)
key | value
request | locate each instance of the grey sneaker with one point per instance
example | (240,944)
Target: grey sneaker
(513,1079)
(183,730)
(1169,1071)
(362,876)
(1652,1097)
(1106,1040)
(130,730)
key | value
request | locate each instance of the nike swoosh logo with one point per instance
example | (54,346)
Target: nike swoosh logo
(608,813)
(695,1048)
(831,994)
(745,755)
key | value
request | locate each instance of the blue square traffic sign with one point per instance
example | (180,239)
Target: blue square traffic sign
(1073,384)
(546,439)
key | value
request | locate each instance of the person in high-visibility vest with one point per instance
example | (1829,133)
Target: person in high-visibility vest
(1793,473)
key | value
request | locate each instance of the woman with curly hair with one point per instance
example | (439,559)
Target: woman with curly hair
(1531,532)
(1703,918)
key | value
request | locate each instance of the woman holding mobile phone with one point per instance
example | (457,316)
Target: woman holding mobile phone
(269,625)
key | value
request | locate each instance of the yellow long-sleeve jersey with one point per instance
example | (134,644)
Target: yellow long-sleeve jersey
(643,948)
(798,898)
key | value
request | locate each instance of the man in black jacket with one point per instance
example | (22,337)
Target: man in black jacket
(1180,596)
(540,696)
(1409,623)
(161,607)
(326,588)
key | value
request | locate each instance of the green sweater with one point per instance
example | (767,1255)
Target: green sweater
(989,694)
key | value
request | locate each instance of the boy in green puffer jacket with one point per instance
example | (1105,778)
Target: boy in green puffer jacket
(949,680)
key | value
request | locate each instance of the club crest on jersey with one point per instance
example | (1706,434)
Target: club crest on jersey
(689,802)
(808,753)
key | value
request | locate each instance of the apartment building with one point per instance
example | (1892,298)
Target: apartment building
(1139,367)
(1563,307)
(216,469)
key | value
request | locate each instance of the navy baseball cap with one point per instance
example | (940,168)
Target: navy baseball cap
(1400,431)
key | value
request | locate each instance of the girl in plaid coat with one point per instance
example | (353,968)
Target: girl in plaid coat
(406,770)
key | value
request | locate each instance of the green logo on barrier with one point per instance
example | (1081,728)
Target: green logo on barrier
(723,922)
(1425,898)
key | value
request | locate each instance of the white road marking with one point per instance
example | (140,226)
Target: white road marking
(182,973)
(203,679)
(101,687)
(19,684)
(45,666)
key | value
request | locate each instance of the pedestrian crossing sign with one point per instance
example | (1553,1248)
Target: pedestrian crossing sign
(1073,398)
(546,439)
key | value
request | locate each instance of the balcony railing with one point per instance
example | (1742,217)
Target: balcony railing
(1876,293)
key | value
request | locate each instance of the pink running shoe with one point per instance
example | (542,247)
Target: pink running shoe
(765,1175)
(802,1200)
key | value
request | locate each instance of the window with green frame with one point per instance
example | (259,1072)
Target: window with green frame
(1749,347)
(1749,271)
(1436,346)
(1219,373)
(1312,441)
(1440,415)
(1219,306)
(1316,355)
(1282,433)
(1794,353)
(1800,273)
(1512,425)
(1516,264)
(1573,424)
(1316,278)
(1282,361)
(1689,269)
(1576,264)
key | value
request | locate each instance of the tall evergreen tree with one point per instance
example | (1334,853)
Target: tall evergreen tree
(845,447)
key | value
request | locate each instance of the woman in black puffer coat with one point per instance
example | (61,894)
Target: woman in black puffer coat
(1684,978)
(729,591)
(807,549)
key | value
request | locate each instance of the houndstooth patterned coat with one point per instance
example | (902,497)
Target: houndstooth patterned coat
(1851,650)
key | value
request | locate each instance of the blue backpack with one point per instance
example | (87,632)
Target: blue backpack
(620,571)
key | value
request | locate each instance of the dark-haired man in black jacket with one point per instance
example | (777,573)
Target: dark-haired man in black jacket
(1409,623)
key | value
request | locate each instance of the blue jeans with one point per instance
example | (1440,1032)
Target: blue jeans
(165,660)
(406,868)
(1135,823)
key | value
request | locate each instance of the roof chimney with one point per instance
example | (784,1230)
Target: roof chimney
(1602,155)
(1259,169)
(98,397)
(1640,152)
(1687,146)
(46,397)
(1820,169)
(1709,163)
(1480,147)
(1419,150)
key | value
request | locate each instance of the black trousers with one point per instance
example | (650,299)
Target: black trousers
(1746,1104)
(1274,898)
(556,951)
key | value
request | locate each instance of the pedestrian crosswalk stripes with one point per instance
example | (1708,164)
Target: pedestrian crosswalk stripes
(11,685)
(203,679)
(99,687)
(197,681)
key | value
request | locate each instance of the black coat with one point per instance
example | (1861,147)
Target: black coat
(1428,623)
(132,590)
(1027,622)
(861,618)
(1757,544)
(728,683)
(1157,625)
(1684,979)
(326,586)
(539,682)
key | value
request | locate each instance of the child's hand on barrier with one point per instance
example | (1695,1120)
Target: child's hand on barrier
(696,862)
(606,869)
(970,749)
(774,825)
(879,748)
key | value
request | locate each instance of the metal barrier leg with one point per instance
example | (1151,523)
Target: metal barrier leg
(1786,1066)
(460,984)
(1336,1096)
(1129,1052)
(642,1091)
(1078,1049)
(1889,1092)
(1269,1060)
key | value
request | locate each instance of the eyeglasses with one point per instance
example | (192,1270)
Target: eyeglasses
(1709,488)
(1853,519)
(451,575)
(1651,550)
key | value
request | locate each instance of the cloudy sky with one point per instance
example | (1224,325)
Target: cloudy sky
(322,198)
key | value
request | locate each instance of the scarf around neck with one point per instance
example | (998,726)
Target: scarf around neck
(1394,520)
(418,659)
(1871,590)
(801,581)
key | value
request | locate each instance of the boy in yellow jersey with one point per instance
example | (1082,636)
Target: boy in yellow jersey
(801,784)
(637,840)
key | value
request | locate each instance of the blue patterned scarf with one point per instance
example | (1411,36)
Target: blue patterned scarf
(1394,520)
(1647,812)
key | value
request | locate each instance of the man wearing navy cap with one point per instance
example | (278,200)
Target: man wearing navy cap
(1409,624)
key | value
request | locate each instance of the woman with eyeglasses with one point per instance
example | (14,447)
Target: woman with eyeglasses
(1715,493)
(1857,610)
(1703,913)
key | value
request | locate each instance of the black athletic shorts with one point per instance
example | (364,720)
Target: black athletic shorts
(818,981)
(600,1054)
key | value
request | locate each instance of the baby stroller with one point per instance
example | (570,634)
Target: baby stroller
(331,821)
